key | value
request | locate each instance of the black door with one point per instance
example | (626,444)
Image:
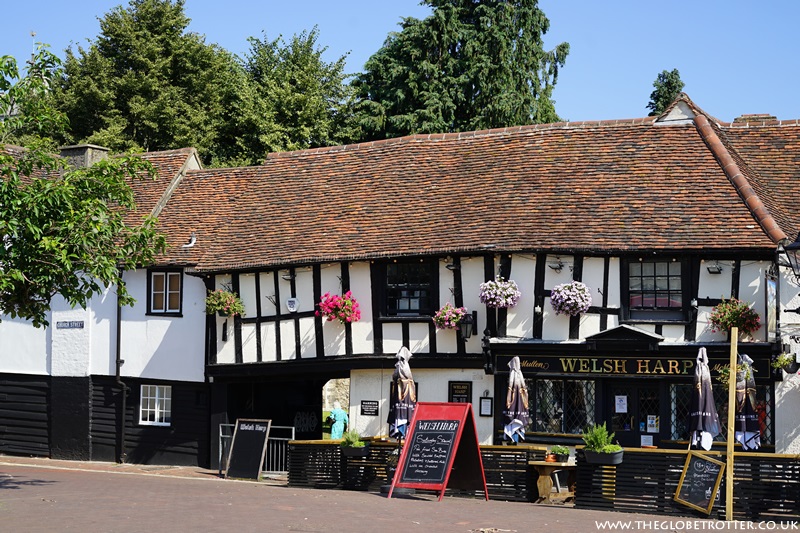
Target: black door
(634,413)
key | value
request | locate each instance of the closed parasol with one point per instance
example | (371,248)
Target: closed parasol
(516,416)
(402,395)
(747,429)
(703,417)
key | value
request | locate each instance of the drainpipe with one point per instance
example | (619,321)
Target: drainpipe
(124,388)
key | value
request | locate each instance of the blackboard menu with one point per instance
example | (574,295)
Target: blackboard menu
(248,448)
(699,484)
(429,451)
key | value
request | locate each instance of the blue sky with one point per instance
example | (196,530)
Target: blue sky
(735,56)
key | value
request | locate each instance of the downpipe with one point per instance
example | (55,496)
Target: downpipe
(123,387)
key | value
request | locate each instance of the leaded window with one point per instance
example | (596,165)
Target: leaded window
(410,288)
(562,405)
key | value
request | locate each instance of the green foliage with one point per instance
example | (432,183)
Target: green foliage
(305,100)
(598,439)
(783,360)
(559,450)
(470,65)
(148,84)
(668,87)
(224,301)
(64,230)
(351,439)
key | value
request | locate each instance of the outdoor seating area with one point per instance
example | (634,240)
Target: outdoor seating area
(766,486)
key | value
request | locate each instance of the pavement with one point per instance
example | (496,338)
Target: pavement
(49,495)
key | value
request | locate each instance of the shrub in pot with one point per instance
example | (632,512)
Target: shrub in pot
(600,448)
(561,453)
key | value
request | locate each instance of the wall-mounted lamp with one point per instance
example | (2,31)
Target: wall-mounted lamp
(788,254)
(288,277)
(556,265)
(693,303)
(716,268)
(537,309)
(467,324)
(452,266)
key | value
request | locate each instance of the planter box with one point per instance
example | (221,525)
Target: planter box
(350,451)
(598,458)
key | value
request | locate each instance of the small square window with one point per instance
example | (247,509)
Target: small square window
(155,405)
(655,290)
(165,292)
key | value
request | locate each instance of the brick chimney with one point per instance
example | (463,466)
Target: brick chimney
(83,155)
(755,117)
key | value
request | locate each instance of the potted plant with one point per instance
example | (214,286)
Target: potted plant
(343,308)
(724,373)
(786,362)
(449,316)
(352,445)
(734,313)
(600,448)
(572,298)
(499,293)
(561,453)
(225,302)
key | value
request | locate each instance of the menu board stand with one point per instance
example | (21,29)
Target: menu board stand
(699,484)
(441,450)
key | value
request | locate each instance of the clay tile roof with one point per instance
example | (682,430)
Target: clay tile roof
(606,186)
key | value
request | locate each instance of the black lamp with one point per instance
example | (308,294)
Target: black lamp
(467,324)
(792,253)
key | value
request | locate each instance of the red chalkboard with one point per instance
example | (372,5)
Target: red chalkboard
(441,450)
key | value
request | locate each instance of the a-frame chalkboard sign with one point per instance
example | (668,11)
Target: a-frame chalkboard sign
(248,447)
(441,450)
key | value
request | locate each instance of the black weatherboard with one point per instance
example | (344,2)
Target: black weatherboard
(248,448)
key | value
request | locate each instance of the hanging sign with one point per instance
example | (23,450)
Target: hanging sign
(441,450)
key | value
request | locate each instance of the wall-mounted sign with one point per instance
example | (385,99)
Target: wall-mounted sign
(369,407)
(486,406)
(652,424)
(459,392)
(70,324)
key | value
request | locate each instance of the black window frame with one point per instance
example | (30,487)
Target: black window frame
(165,272)
(429,264)
(654,314)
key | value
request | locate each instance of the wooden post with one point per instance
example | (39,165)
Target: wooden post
(731,418)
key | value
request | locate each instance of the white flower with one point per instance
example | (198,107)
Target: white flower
(500,293)
(571,298)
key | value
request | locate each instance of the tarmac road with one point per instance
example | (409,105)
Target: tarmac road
(51,496)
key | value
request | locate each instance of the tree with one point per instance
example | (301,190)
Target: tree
(668,87)
(147,83)
(64,230)
(472,64)
(307,100)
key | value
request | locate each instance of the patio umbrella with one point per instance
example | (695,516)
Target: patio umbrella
(402,395)
(703,417)
(516,416)
(747,430)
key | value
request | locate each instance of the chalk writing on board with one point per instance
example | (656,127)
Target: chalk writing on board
(429,451)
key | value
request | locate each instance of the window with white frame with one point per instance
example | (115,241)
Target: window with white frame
(164,294)
(156,405)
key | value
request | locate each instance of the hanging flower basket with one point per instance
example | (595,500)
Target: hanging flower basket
(734,313)
(343,308)
(572,298)
(499,293)
(449,317)
(225,302)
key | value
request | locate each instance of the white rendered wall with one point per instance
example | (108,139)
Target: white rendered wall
(23,348)
(169,348)
(433,387)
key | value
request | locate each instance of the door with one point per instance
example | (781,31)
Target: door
(634,413)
